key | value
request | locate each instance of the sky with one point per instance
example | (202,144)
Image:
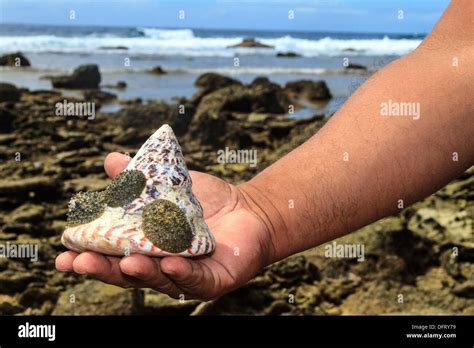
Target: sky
(382,16)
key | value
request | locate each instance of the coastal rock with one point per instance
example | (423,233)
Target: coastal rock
(12,281)
(263,81)
(146,118)
(45,93)
(294,270)
(337,289)
(308,89)
(127,137)
(14,59)
(5,139)
(161,304)
(6,121)
(244,99)
(157,70)
(38,187)
(118,85)
(241,115)
(83,77)
(214,117)
(27,213)
(353,66)
(96,298)
(210,82)
(442,225)
(85,184)
(462,188)
(98,96)
(8,306)
(457,262)
(131,101)
(36,296)
(9,93)
(465,289)
(251,43)
(288,55)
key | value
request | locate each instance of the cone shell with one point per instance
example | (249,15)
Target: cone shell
(118,231)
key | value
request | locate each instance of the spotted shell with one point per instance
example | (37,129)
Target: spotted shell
(119,230)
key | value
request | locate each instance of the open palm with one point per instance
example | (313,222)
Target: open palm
(241,245)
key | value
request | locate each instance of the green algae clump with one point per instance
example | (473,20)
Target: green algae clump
(125,188)
(85,207)
(166,226)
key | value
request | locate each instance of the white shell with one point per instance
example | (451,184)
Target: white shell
(118,230)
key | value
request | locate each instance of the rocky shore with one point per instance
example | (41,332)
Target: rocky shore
(419,262)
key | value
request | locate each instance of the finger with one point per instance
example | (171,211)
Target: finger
(205,188)
(103,268)
(148,271)
(115,162)
(64,261)
(194,277)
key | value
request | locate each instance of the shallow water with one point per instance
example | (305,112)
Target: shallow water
(185,54)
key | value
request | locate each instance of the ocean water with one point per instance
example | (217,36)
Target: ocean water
(187,53)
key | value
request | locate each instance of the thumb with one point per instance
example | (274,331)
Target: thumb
(193,277)
(114,163)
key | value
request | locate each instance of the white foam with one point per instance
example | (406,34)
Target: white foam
(183,42)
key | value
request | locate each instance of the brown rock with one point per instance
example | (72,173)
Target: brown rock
(212,81)
(147,118)
(98,96)
(353,66)
(308,89)
(251,43)
(219,115)
(465,289)
(14,281)
(6,120)
(96,298)
(83,77)
(27,212)
(9,93)
(288,55)
(35,296)
(39,187)
(118,85)
(294,270)
(161,304)
(157,70)
(14,59)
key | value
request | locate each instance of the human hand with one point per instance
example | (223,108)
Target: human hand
(243,244)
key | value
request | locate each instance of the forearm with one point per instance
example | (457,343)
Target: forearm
(362,165)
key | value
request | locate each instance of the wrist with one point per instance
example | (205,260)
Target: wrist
(273,223)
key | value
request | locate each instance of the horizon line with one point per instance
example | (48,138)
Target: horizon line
(222,29)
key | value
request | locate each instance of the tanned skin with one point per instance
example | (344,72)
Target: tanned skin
(354,171)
